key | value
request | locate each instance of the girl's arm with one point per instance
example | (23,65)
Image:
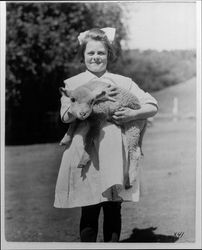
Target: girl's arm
(149,107)
(126,114)
(147,110)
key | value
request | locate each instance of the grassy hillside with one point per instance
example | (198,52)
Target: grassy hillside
(186,94)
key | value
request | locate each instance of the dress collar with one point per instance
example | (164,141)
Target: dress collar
(106,77)
(91,76)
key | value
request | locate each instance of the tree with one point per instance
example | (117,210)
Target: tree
(41,48)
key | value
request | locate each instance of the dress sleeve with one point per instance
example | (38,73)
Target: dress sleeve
(65,112)
(144,97)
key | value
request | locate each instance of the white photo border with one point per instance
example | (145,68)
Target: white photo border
(67,245)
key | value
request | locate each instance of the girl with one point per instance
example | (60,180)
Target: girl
(87,188)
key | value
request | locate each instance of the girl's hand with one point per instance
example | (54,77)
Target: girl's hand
(111,90)
(123,115)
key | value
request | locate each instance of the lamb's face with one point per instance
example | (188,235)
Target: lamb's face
(82,102)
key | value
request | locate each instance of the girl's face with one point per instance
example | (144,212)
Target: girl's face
(95,57)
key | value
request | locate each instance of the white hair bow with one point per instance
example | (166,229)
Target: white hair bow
(109,32)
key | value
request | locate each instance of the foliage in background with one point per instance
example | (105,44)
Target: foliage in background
(41,52)
(42,41)
(154,70)
(41,49)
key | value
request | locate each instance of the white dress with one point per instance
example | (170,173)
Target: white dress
(103,179)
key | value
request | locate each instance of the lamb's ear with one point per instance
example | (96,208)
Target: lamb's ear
(64,92)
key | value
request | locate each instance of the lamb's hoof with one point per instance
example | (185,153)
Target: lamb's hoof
(65,143)
(83,162)
(66,140)
(81,165)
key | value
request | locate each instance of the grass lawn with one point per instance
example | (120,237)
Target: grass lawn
(167,200)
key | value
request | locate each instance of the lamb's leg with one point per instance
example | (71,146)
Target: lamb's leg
(142,132)
(85,159)
(67,139)
(134,138)
(134,154)
(92,133)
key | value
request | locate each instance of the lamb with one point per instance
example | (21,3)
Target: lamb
(90,102)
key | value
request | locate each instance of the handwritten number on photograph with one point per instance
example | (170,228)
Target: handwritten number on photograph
(178,234)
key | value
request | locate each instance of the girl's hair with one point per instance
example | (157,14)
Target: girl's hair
(97,35)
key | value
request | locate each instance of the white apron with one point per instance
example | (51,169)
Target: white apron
(102,180)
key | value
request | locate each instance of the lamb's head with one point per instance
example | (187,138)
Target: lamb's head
(82,100)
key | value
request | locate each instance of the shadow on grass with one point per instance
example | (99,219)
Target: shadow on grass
(147,235)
